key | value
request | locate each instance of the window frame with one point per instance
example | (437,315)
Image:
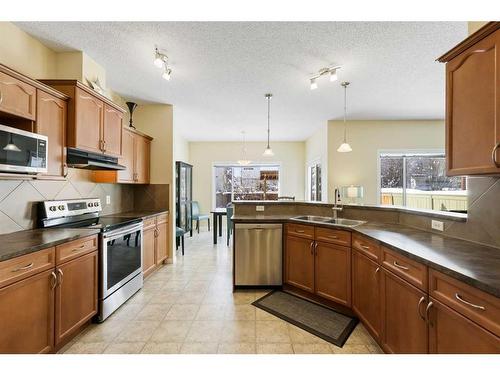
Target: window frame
(235,164)
(403,153)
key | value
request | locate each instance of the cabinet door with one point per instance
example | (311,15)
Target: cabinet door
(299,263)
(142,157)
(112,131)
(404,329)
(27,311)
(76,294)
(148,252)
(51,122)
(161,242)
(453,333)
(366,292)
(472,107)
(127,159)
(16,97)
(332,273)
(88,122)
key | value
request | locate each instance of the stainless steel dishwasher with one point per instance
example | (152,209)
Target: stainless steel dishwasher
(258,255)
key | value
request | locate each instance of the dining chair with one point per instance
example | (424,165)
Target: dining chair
(229,222)
(179,232)
(195,215)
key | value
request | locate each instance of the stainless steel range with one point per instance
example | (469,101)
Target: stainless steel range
(120,247)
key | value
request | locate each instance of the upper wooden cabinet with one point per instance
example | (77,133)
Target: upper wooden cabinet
(136,156)
(94,121)
(17,98)
(473,104)
(51,122)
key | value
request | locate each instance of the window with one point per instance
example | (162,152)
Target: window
(239,183)
(315,182)
(418,180)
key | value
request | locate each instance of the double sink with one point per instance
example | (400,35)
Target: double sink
(329,220)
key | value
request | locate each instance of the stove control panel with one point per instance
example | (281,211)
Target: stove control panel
(70,207)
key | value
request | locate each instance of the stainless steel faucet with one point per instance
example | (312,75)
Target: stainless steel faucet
(336,206)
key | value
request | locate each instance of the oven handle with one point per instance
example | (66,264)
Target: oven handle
(121,231)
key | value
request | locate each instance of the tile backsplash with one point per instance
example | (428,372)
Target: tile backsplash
(18,197)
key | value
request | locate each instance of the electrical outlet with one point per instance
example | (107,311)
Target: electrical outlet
(108,199)
(437,225)
(259,208)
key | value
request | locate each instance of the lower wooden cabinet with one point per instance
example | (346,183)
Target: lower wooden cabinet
(404,328)
(155,243)
(332,272)
(76,294)
(161,242)
(148,253)
(366,288)
(453,333)
(27,315)
(299,263)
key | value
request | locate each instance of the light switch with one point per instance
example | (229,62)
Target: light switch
(108,199)
(437,225)
(259,208)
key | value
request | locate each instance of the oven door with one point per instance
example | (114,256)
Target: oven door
(121,257)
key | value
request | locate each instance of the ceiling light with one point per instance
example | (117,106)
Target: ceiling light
(167,73)
(345,147)
(314,85)
(159,59)
(268,151)
(333,75)
(244,160)
(11,146)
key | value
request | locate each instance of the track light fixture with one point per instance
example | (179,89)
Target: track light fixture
(161,61)
(332,71)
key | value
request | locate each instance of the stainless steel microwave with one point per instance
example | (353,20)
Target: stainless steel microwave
(22,151)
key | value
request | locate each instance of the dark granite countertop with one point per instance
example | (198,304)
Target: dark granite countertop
(139,213)
(28,241)
(472,263)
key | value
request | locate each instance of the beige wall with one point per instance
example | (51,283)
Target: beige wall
(181,148)
(316,150)
(204,154)
(366,138)
(473,26)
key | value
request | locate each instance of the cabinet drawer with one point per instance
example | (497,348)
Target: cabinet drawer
(16,97)
(413,272)
(480,307)
(162,218)
(149,222)
(74,249)
(368,247)
(304,231)
(339,237)
(19,268)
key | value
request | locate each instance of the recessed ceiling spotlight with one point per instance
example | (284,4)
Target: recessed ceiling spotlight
(332,71)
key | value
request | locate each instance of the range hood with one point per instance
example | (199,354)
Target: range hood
(77,158)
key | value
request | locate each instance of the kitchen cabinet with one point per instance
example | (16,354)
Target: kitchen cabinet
(473,104)
(51,122)
(136,156)
(299,263)
(27,315)
(76,294)
(404,327)
(155,243)
(94,121)
(366,296)
(453,333)
(332,272)
(17,98)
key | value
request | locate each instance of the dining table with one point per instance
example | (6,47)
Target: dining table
(217,219)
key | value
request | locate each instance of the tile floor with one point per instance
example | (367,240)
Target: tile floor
(189,307)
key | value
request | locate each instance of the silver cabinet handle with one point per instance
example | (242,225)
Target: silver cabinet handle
(422,299)
(457,296)
(365,247)
(377,270)
(316,248)
(299,231)
(311,247)
(396,264)
(494,155)
(1,97)
(427,309)
(78,248)
(61,274)
(53,281)
(27,267)
(332,236)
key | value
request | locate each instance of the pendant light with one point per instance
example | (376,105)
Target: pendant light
(244,160)
(345,147)
(11,146)
(268,151)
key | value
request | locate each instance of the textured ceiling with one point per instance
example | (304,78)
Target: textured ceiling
(221,70)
